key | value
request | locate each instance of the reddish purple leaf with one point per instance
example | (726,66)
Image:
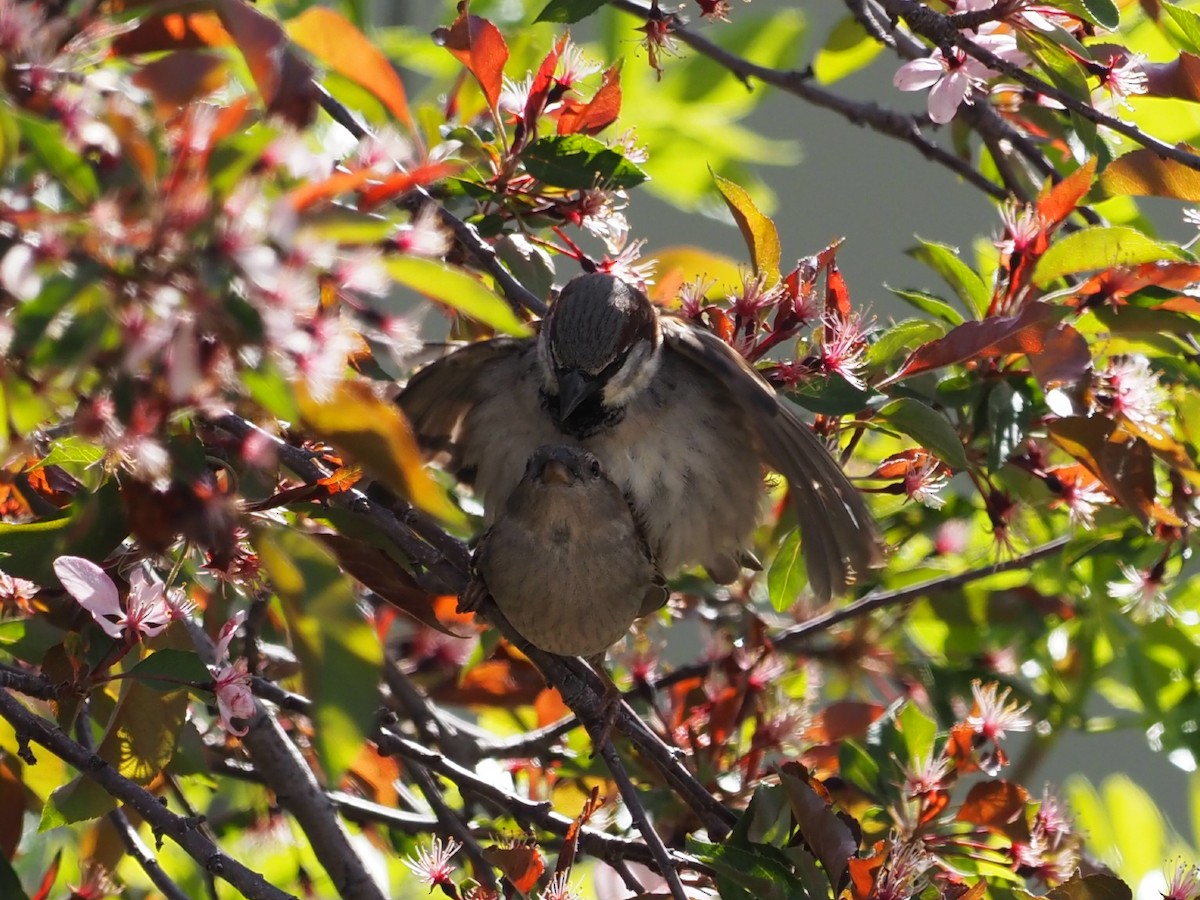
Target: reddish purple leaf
(997,336)
(478,45)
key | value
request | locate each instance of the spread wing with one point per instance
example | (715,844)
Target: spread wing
(439,396)
(837,532)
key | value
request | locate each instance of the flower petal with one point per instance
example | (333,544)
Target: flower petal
(92,589)
(919,74)
(946,95)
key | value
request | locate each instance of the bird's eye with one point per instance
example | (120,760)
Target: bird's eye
(595,468)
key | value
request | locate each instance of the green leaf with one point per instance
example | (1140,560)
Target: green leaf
(847,49)
(1059,54)
(1188,21)
(568,11)
(456,289)
(759,232)
(752,872)
(78,800)
(339,650)
(579,162)
(72,450)
(787,575)
(270,389)
(1099,12)
(171,670)
(965,282)
(930,428)
(928,303)
(139,740)
(832,395)
(858,767)
(901,338)
(48,143)
(917,730)
(1101,247)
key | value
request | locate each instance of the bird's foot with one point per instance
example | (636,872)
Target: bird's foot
(472,596)
(610,703)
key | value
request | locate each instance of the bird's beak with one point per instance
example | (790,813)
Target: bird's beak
(574,387)
(555,472)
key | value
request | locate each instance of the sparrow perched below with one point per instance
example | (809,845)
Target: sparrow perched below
(565,560)
(678,420)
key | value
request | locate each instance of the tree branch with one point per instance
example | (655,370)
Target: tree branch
(800,83)
(32,727)
(941,30)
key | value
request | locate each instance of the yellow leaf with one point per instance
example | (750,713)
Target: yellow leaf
(1143,173)
(758,230)
(376,435)
(335,41)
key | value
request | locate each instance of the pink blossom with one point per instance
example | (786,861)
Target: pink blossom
(1133,390)
(1022,225)
(903,871)
(228,630)
(573,66)
(1142,591)
(843,347)
(951,537)
(952,81)
(755,296)
(625,264)
(693,296)
(927,775)
(17,592)
(923,482)
(147,612)
(18,273)
(993,715)
(1123,78)
(433,866)
(423,236)
(231,684)
(1184,883)
(559,889)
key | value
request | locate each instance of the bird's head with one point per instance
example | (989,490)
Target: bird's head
(599,345)
(563,464)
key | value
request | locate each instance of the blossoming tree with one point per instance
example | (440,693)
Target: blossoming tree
(231,662)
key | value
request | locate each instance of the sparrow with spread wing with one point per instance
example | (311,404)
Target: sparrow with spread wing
(680,423)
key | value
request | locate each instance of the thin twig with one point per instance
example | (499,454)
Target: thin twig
(528,813)
(637,811)
(902,127)
(517,295)
(32,727)
(296,789)
(136,847)
(941,30)
(452,824)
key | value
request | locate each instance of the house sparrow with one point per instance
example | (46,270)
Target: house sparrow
(565,560)
(679,421)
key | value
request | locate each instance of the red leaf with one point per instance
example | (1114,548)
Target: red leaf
(998,806)
(843,719)
(1065,360)
(1117,285)
(599,112)
(1124,464)
(172,31)
(566,855)
(1058,202)
(383,575)
(47,882)
(523,866)
(478,45)
(837,295)
(1178,78)
(539,89)
(863,873)
(899,465)
(284,81)
(996,336)
(334,40)
(399,183)
(826,831)
(178,78)
(12,806)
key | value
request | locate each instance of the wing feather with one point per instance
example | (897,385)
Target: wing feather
(838,534)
